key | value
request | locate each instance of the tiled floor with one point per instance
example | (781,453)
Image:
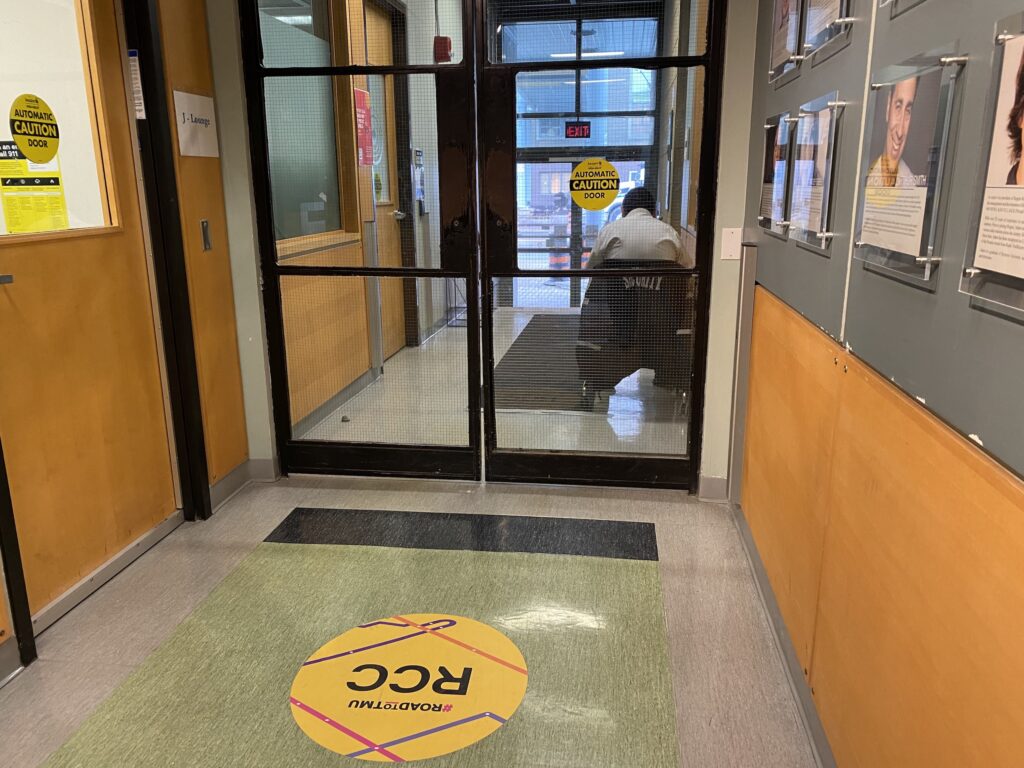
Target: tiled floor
(732,700)
(422,398)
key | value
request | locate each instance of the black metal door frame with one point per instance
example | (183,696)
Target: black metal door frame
(498,152)
(478,214)
(458,217)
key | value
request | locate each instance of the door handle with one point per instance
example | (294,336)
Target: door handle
(399,214)
(6,279)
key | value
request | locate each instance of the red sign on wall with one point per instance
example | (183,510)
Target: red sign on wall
(579,129)
(364,127)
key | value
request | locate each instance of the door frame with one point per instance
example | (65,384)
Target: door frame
(477,219)
(498,151)
(458,226)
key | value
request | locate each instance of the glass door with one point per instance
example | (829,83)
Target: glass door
(594,342)
(362,142)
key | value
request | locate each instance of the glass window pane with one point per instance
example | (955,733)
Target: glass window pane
(377,360)
(538,41)
(611,376)
(60,187)
(319,33)
(354,155)
(302,145)
(618,90)
(520,32)
(653,138)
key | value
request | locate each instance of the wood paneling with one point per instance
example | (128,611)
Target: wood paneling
(81,400)
(326,332)
(918,622)
(201,196)
(793,395)
(919,653)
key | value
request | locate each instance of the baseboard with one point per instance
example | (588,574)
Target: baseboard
(253,470)
(784,644)
(321,412)
(63,604)
(713,488)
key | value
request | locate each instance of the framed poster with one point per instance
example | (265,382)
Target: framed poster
(786,27)
(908,129)
(825,21)
(775,175)
(994,267)
(813,163)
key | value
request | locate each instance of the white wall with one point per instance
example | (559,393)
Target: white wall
(741,42)
(40,53)
(233,126)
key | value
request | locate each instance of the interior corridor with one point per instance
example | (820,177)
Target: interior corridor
(732,703)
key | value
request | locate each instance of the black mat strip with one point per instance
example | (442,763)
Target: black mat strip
(482,533)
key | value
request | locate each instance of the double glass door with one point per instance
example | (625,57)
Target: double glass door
(432,308)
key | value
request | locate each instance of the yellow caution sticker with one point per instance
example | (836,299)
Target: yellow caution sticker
(34,128)
(594,184)
(409,687)
(31,194)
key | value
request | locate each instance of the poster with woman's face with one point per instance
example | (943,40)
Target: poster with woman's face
(1000,246)
(785,32)
(903,157)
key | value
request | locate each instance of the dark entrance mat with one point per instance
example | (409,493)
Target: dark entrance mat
(482,533)
(539,372)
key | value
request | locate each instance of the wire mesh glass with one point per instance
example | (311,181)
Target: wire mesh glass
(594,29)
(646,123)
(318,33)
(376,360)
(610,374)
(354,176)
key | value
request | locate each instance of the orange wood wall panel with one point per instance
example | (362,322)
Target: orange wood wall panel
(326,330)
(201,196)
(919,652)
(81,402)
(793,395)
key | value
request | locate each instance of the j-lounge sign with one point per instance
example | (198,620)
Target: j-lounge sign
(409,687)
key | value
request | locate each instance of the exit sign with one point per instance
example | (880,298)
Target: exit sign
(577,130)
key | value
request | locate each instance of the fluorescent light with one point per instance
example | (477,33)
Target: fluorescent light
(296,21)
(599,80)
(588,54)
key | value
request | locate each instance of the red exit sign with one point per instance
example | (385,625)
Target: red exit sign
(577,130)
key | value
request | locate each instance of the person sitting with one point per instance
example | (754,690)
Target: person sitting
(638,235)
(632,322)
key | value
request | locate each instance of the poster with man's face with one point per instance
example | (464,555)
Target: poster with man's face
(903,154)
(1000,246)
(785,32)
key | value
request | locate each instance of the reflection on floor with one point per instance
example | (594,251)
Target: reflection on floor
(422,399)
(730,700)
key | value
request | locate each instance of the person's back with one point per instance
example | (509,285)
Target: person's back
(638,235)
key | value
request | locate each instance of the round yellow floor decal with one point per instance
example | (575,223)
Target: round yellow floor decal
(409,687)
(34,128)
(594,184)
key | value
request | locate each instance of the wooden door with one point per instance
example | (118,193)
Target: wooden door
(82,407)
(380,51)
(6,629)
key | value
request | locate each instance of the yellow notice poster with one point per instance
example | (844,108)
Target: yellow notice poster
(32,194)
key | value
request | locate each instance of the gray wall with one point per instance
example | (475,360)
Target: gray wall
(943,348)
